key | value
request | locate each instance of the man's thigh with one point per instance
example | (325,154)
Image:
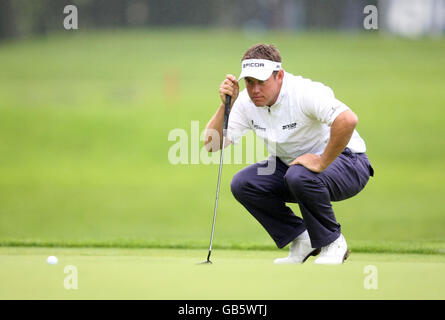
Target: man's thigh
(346,176)
(257,177)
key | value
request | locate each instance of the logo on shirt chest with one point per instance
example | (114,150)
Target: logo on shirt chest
(257,126)
(289,126)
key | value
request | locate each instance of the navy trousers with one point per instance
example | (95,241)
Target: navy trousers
(265,196)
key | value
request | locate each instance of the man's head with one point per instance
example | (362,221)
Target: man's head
(262,73)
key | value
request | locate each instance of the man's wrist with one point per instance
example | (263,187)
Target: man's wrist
(325,161)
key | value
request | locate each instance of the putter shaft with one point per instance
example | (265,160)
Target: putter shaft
(224,132)
(217,197)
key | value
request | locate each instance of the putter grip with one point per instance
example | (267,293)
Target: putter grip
(226,114)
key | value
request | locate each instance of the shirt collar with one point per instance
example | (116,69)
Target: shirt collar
(282,91)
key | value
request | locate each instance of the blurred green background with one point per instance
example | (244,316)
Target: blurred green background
(85,117)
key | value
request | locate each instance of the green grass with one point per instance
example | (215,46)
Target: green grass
(85,116)
(159,274)
(359,246)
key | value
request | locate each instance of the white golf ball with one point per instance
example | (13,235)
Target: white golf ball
(52,260)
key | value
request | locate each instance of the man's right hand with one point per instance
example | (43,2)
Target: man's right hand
(229,87)
(214,129)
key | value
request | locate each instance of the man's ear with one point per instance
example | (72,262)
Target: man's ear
(278,74)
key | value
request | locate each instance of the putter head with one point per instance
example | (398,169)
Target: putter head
(208,258)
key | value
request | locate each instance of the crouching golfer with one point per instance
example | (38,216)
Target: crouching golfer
(316,155)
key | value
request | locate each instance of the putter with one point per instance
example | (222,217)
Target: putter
(226,120)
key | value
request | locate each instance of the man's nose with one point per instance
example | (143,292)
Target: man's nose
(256,88)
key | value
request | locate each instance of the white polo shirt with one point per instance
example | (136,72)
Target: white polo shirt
(298,123)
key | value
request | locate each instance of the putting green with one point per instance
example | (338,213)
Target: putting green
(174,274)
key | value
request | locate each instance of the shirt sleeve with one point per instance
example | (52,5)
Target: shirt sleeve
(238,124)
(318,102)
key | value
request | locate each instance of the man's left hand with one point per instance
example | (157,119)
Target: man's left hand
(312,162)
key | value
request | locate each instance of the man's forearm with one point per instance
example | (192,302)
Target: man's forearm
(341,132)
(213,131)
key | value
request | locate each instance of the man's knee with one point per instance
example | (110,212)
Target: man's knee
(238,185)
(299,179)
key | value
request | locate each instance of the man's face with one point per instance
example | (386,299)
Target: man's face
(264,93)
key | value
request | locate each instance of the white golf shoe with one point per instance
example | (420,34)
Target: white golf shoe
(334,253)
(299,251)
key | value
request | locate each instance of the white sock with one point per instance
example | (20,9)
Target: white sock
(303,236)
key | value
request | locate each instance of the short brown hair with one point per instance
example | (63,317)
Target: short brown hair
(263,51)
